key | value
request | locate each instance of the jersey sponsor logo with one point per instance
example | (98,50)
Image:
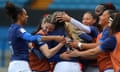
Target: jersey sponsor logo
(22,30)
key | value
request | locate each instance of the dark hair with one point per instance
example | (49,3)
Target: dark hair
(108,6)
(46,19)
(114,14)
(92,14)
(97,19)
(111,12)
(115,27)
(12,11)
(56,22)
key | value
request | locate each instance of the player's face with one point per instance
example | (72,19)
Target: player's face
(104,18)
(88,19)
(99,10)
(51,27)
(48,27)
(24,17)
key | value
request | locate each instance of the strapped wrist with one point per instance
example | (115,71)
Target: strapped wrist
(79,45)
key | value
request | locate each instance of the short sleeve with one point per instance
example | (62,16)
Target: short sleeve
(94,32)
(105,34)
(41,43)
(108,44)
(86,37)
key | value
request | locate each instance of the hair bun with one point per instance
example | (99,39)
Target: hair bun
(12,10)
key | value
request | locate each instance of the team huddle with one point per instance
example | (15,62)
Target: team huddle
(63,44)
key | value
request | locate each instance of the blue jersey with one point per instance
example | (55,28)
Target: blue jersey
(109,44)
(18,39)
(105,34)
(51,44)
(94,32)
(89,37)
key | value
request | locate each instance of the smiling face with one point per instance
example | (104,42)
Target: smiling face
(88,19)
(23,17)
(48,27)
(104,18)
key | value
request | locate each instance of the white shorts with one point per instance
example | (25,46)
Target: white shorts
(109,70)
(65,66)
(19,66)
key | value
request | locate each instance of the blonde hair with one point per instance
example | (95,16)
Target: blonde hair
(72,31)
(46,19)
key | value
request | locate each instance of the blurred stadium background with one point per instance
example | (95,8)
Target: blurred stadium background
(36,10)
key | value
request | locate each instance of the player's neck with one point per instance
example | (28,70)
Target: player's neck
(19,23)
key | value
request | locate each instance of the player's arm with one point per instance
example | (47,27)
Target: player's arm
(81,46)
(88,45)
(108,45)
(73,21)
(35,51)
(87,54)
(52,51)
(36,38)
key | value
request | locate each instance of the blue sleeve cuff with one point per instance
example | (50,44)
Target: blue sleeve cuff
(41,43)
(39,39)
(86,37)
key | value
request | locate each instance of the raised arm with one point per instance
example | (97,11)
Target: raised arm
(80,25)
(73,21)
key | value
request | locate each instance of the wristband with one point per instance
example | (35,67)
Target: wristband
(79,45)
